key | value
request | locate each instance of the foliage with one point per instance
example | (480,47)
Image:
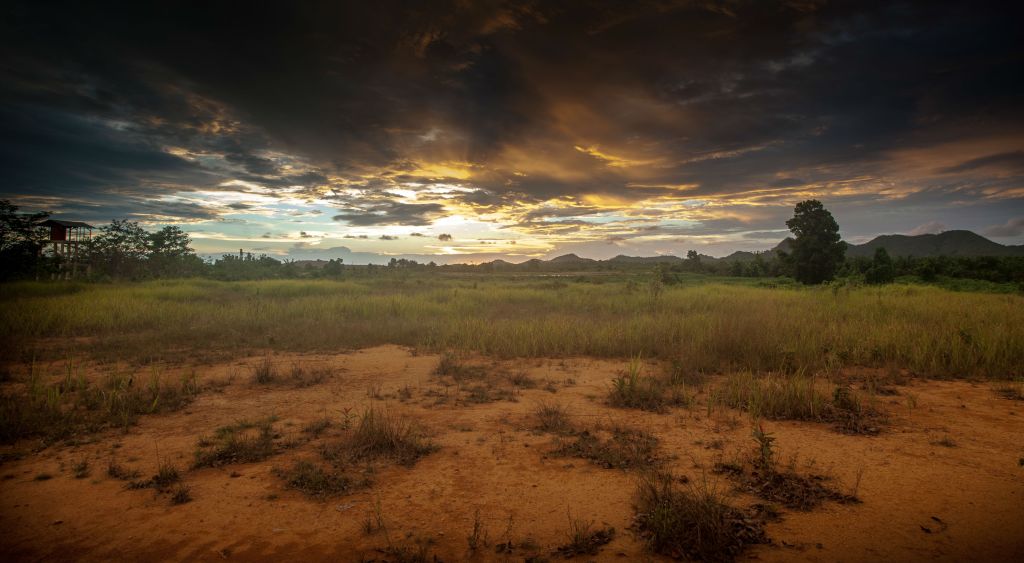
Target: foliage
(817,250)
(20,243)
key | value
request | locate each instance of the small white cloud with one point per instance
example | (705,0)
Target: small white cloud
(929,228)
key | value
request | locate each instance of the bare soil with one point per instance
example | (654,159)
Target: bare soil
(942,481)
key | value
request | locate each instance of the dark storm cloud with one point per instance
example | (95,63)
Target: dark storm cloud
(521,102)
(1011,160)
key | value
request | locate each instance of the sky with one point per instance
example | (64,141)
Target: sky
(469,131)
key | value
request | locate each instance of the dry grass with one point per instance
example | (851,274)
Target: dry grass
(624,448)
(382,434)
(316,481)
(763,477)
(798,397)
(634,390)
(697,522)
(553,418)
(584,539)
(713,327)
(242,442)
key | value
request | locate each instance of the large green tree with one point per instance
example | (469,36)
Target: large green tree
(817,250)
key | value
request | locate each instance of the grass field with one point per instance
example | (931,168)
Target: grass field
(509,417)
(705,325)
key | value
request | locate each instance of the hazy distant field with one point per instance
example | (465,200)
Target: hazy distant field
(706,325)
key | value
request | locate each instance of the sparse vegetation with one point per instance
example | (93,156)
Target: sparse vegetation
(80,469)
(382,434)
(242,442)
(1012,390)
(798,397)
(634,390)
(181,494)
(765,479)
(584,539)
(697,522)
(625,448)
(553,418)
(316,481)
(75,405)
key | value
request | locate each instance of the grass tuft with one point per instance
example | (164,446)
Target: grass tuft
(242,442)
(315,481)
(694,523)
(626,448)
(584,539)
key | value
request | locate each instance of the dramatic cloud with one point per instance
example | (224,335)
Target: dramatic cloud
(653,125)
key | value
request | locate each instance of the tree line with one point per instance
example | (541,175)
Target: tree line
(125,250)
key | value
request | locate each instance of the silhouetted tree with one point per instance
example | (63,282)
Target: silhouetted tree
(881,269)
(20,242)
(818,249)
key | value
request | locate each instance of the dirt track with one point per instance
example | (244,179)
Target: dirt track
(921,500)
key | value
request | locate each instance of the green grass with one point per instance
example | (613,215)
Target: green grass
(708,327)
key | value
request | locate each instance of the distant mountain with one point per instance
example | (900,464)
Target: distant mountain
(949,243)
(570,259)
(623,259)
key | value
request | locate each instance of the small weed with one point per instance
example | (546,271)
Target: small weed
(182,494)
(317,427)
(477,538)
(166,475)
(521,379)
(945,442)
(318,482)
(382,434)
(786,487)
(80,469)
(1012,390)
(583,539)
(633,390)
(626,448)
(696,523)
(237,444)
(42,477)
(553,417)
(117,471)
(265,372)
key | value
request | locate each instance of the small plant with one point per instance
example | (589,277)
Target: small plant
(42,477)
(477,538)
(317,427)
(80,469)
(766,480)
(117,471)
(633,390)
(166,475)
(696,523)
(264,373)
(553,417)
(242,442)
(318,482)
(182,494)
(945,442)
(583,539)
(765,460)
(382,434)
(1012,390)
(627,448)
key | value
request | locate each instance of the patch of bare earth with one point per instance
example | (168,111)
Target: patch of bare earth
(942,481)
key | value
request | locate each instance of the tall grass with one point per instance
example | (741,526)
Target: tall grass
(708,327)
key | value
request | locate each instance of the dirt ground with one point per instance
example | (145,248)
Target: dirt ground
(921,499)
